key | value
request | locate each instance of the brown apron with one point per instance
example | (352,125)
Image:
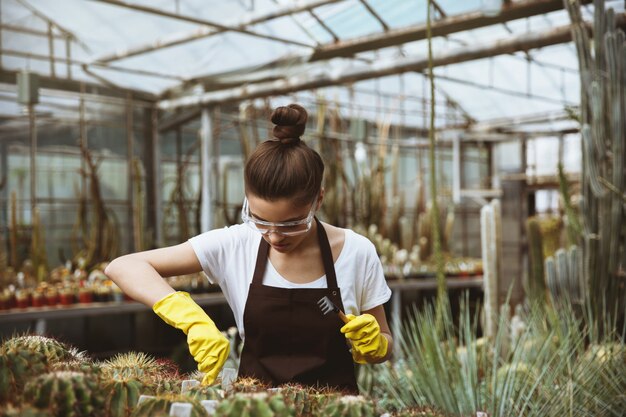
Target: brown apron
(288,339)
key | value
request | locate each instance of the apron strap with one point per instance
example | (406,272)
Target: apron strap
(327,258)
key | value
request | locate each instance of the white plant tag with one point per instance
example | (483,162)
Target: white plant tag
(180,410)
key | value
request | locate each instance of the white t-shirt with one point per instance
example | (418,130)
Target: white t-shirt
(228,257)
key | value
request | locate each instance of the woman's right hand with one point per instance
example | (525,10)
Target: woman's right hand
(206,343)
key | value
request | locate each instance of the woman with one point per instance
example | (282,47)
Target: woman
(273,269)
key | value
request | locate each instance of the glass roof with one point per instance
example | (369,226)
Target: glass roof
(106,38)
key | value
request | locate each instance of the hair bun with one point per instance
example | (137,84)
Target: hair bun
(290,123)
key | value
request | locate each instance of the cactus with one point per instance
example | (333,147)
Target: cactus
(65,394)
(418,412)
(536,280)
(132,365)
(257,404)
(307,401)
(201,393)
(160,405)
(603,129)
(53,350)
(350,405)
(16,367)
(248,385)
(491,236)
(517,375)
(122,397)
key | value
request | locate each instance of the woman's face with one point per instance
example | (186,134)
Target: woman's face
(281,211)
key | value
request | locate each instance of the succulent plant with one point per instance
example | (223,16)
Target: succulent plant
(132,365)
(160,405)
(16,367)
(350,405)
(201,393)
(122,397)
(260,404)
(418,412)
(52,349)
(247,385)
(307,401)
(66,394)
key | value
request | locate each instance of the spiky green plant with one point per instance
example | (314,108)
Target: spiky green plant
(160,405)
(545,372)
(350,405)
(418,412)
(52,349)
(201,392)
(132,365)
(121,397)
(307,401)
(259,404)
(66,394)
(16,367)
(247,385)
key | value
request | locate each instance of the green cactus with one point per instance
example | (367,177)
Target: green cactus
(418,412)
(161,404)
(132,365)
(162,385)
(248,385)
(202,392)
(349,406)
(53,350)
(16,367)
(260,404)
(23,411)
(66,394)
(122,397)
(518,376)
(536,280)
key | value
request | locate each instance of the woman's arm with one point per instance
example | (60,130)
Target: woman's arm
(379,313)
(140,275)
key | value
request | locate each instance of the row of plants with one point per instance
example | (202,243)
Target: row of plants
(42,377)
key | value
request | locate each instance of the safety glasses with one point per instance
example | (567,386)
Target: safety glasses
(294,228)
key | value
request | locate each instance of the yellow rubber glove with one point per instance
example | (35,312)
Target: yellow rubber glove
(368,344)
(206,343)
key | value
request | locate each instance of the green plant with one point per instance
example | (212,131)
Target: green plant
(161,404)
(132,365)
(350,405)
(247,385)
(53,350)
(201,392)
(121,397)
(259,404)
(66,394)
(16,367)
(418,412)
(307,401)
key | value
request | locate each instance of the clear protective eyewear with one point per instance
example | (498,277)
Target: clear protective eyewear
(293,228)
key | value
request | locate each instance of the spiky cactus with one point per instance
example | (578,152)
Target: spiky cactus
(307,401)
(132,365)
(53,350)
(350,405)
(259,404)
(603,127)
(418,412)
(247,385)
(121,397)
(201,393)
(16,367)
(536,280)
(66,394)
(161,404)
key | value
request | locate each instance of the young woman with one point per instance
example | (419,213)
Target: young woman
(273,269)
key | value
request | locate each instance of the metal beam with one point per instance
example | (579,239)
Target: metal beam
(443,27)
(373,12)
(509,45)
(204,22)
(205,32)
(9,77)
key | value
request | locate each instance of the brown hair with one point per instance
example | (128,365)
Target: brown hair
(285,167)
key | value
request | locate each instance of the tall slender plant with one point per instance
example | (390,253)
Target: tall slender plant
(603,125)
(438,255)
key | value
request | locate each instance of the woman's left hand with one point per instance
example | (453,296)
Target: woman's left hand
(368,343)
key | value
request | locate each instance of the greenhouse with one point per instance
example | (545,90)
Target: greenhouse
(312,208)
